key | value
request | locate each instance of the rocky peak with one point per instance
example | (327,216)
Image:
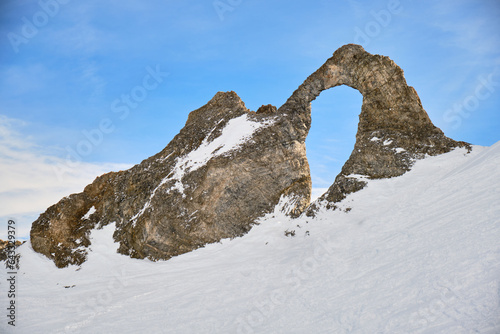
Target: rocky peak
(229,166)
(219,107)
(267,109)
(226,168)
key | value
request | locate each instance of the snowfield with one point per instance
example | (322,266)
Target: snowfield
(418,253)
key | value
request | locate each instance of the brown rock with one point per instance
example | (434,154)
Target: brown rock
(196,191)
(229,166)
(393,131)
(8,249)
(267,109)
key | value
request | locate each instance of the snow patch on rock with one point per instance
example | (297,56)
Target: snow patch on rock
(90,212)
(236,132)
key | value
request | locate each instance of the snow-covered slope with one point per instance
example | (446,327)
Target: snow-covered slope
(418,253)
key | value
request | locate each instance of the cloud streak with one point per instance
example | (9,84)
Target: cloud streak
(29,183)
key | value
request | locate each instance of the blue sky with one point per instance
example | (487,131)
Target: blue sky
(67,67)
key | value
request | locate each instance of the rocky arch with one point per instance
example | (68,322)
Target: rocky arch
(393,129)
(331,138)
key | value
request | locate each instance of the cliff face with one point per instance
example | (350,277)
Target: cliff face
(229,166)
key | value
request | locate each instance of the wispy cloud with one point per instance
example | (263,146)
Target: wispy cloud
(79,38)
(468,33)
(20,81)
(92,80)
(29,183)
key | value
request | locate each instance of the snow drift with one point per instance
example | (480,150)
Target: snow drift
(418,253)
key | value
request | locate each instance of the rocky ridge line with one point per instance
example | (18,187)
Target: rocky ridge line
(226,168)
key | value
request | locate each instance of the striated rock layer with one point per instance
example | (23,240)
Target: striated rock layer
(229,166)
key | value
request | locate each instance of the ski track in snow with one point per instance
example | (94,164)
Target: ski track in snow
(418,253)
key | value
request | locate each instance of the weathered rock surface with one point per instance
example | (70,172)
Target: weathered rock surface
(229,166)
(6,247)
(393,130)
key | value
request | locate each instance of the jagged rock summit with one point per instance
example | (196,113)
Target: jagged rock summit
(229,166)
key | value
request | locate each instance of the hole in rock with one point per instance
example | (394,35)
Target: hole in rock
(332,135)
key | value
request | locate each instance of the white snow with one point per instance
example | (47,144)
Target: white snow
(387,142)
(419,253)
(317,192)
(91,211)
(359,177)
(399,150)
(168,156)
(236,132)
(375,139)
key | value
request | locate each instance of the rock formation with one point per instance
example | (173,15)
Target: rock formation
(229,166)
(226,168)
(5,247)
(393,130)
